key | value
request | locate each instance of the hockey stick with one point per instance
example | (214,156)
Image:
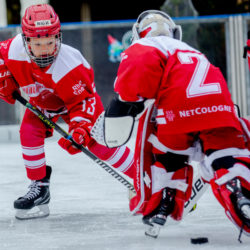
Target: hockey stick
(67,136)
(198,186)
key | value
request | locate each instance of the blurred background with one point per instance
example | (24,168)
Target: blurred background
(101,30)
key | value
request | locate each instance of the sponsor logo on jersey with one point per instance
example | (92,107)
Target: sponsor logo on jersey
(5,73)
(34,89)
(123,56)
(5,44)
(42,23)
(205,110)
(78,88)
(164,116)
(170,115)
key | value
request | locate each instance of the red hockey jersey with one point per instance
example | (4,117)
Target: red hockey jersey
(191,94)
(66,86)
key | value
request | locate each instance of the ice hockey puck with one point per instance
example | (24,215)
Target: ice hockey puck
(199,240)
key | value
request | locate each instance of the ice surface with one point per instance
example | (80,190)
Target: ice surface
(89,210)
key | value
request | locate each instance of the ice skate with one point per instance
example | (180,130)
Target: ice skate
(35,203)
(157,219)
(240,201)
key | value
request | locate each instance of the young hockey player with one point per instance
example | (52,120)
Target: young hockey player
(60,83)
(192,107)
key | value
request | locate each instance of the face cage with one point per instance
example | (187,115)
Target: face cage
(43,61)
(135,28)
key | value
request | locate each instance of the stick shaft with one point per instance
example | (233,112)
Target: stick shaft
(66,135)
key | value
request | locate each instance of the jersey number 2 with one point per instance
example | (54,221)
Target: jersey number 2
(196,86)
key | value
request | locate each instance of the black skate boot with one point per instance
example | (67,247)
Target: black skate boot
(155,220)
(240,201)
(37,197)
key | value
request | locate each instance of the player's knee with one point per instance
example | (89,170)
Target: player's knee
(31,133)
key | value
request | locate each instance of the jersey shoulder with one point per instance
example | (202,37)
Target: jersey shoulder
(15,49)
(167,45)
(67,60)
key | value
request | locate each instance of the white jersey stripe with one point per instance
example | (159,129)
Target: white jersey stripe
(165,44)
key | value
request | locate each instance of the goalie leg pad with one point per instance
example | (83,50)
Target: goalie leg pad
(232,190)
(180,181)
(121,158)
(181,197)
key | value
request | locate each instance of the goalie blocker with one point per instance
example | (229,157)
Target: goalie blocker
(119,120)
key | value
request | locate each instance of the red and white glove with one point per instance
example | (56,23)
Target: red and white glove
(7,84)
(80,135)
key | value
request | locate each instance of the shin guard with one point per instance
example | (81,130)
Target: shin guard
(231,187)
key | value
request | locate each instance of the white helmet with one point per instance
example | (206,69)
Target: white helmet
(155,23)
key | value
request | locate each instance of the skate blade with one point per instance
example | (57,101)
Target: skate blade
(153,230)
(34,213)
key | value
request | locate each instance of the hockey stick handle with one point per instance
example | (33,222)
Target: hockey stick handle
(67,136)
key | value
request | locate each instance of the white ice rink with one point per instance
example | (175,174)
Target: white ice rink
(89,210)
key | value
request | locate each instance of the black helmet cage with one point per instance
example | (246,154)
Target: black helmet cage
(43,61)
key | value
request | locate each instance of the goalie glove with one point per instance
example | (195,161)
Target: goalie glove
(8,84)
(79,135)
(119,120)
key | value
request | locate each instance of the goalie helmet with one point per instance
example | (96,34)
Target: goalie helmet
(152,23)
(41,21)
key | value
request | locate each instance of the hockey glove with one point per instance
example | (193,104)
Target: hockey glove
(79,135)
(7,84)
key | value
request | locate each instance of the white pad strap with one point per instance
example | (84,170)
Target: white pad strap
(206,165)
(238,170)
(234,152)
(162,179)
(194,153)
